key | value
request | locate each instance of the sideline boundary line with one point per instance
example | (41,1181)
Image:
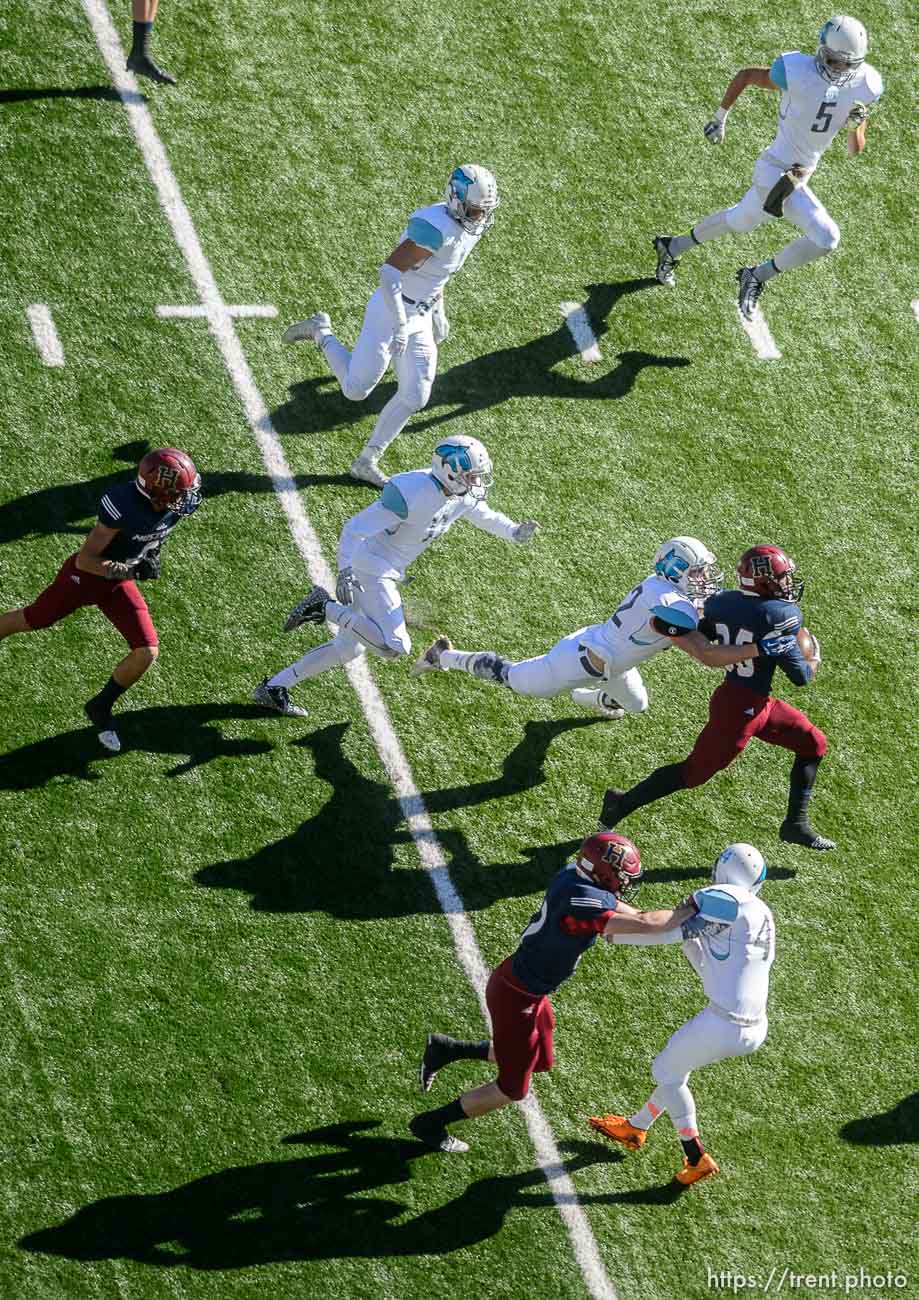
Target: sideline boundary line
(221,326)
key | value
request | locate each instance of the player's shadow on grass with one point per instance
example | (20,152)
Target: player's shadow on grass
(316,869)
(527,371)
(21,94)
(321,1206)
(186,730)
(71,508)
(896,1126)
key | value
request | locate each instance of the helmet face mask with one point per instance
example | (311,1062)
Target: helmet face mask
(471,197)
(841,49)
(740,864)
(612,862)
(690,566)
(169,480)
(461,465)
(767,571)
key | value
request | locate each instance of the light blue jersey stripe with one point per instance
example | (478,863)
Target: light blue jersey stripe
(716,905)
(393,500)
(423,233)
(777,73)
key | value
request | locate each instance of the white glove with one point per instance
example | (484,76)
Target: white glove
(440,323)
(345,585)
(524,532)
(399,339)
(714,130)
(817,658)
(858,113)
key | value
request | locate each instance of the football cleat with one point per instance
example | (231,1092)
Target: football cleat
(310,330)
(611,812)
(619,1129)
(277,698)
(804,833)
(690,1174)
(143,66)
(666,263)
(749,291)
(105,726)
(435,1056)
(310,610)
(438,1139)
(429,662)
(586,697)
(366,467)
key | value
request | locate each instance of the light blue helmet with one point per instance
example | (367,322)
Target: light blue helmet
(472,188)
(462,465)
(841,49)
(690,566)
(740,864)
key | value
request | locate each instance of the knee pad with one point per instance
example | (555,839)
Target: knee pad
(355,390)
(819,742)
(416,395)
(825,234)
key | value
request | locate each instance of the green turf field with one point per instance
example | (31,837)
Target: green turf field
(221,953)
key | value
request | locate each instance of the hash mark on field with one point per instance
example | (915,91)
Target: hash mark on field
(430,850)
(584,338)
(759,334)
(45,334)
(916,308)
(195,309)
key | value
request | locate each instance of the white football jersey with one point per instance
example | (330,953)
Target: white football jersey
(811,110)
(412,512)
(627,637)
(735,951)
(433,228)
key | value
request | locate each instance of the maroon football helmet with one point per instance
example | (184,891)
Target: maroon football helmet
(612,862)
(169,480)
(768,572)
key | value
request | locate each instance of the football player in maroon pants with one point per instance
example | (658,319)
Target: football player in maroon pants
(134,520)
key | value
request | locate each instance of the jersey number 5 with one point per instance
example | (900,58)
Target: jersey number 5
(743,636)
(824,118)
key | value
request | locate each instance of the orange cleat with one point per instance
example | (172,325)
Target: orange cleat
(619,1129)
(690,1174)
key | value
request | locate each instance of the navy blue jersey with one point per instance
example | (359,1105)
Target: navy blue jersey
(734,618)
(141,529)
(572,915)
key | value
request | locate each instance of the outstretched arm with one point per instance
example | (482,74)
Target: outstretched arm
(713,655)
(714,130)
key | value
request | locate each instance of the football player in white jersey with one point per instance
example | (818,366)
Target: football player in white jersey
(405,319)
(597,664)
(730,944)
(819,95)
(375,549)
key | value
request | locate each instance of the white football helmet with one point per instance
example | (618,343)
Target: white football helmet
(740,864)
(841,49)
(690,566)
(472,187)
(462,465)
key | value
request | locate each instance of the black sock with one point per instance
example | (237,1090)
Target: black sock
(458,1049)
(108,695)
(141,38)
(693,1148)
(800,788)
(444,1115)
(666,780)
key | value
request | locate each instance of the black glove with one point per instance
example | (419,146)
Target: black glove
(148,567)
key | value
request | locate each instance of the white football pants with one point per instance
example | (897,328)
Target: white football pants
(359,371)
(375,621)
(705,1039)
(566,665)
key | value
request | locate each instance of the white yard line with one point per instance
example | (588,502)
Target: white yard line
(916,308)
(431,853)
(584,338)
(195,309)
(759,334)
(45,334)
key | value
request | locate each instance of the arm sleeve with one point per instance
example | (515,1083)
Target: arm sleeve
(694,953)
(584,924)
(491,521)
(423,234)
(777,73)
(651,940)
(368,523)
(109,514)
(391,284)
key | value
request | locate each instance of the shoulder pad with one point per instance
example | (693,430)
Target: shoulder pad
(716,904)
(393,500)
(420,231)
(874,81)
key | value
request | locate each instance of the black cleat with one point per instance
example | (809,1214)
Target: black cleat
(666,262)
(277,698)
(143,66)
(612,811)
(310,610)
(749,292)
(436,1055)
(438,1139)
(804,833)
(101,718)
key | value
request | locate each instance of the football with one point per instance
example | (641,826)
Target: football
(808,644)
